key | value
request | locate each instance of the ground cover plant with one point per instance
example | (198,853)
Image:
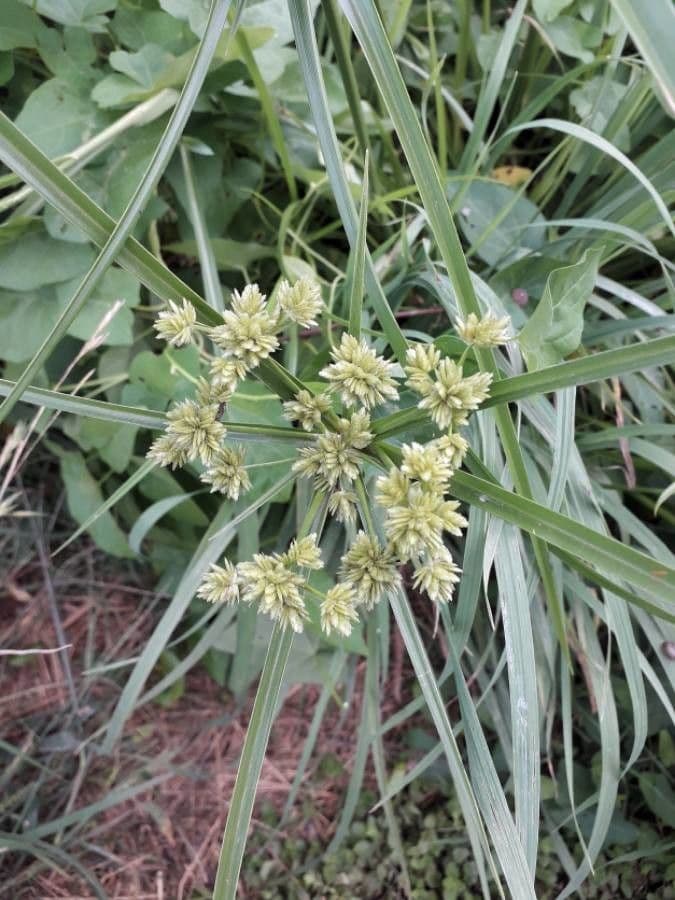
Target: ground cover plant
(338,313)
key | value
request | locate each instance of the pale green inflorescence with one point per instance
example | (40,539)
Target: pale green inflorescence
(334,458)
(338,609)
(227,473)
(220,584)
(448,397)
(359,375)
(274,581)
(416,512)
(249,330)
(307,409)
(176,325)
(301,302)
(370,569)
(487,331)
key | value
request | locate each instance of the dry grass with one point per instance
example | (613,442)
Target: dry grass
(162,843)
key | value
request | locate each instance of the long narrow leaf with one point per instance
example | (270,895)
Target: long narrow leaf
(491,795)
(652,578)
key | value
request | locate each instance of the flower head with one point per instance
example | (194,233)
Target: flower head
(416,526)
(166,451)
(269,581)
(304,553)
(424,463)
(214,392)
(248,332)
(421,361)
(334,456)
(438,577)
(227,372)
(370,569)
(301,302)
(392,489)
(177,323)
(195,430)
(451,397)
(342,505)
(226,472)
(453,447)
(338,610)
(488,331)
(220,584)
(359,375)
(307,409)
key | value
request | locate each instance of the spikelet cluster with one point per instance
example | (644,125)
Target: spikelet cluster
(418,515)
(275,582)
(358,375)
(448,396)
(488,331)
(333,459)
(247,336)
(176,325)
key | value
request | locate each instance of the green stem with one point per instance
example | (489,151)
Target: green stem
(344,61)
(270,114)
(255,746)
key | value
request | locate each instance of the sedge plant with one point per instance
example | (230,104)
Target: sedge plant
(445,466)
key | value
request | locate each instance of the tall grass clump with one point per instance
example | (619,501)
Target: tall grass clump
(422,363)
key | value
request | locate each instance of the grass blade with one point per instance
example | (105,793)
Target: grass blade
(270,114)
(151,419)
(652,28)
(492,88)
(523,698)
(357,262)
(654,580)
(427,682)
(118,237)
(600,143)
(490,794)
(212,288)
(255,744)
(308,54)
(600,682)
(250,764)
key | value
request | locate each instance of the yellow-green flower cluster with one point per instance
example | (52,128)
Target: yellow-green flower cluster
(418,515)
(370,570)
(272,580)
(307,409)
(446,394)
(176,325)
(193,432)
(359,375)
(249,330)
(301,302)
(334,457)
(488,331)
(338,610)
(227,473)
